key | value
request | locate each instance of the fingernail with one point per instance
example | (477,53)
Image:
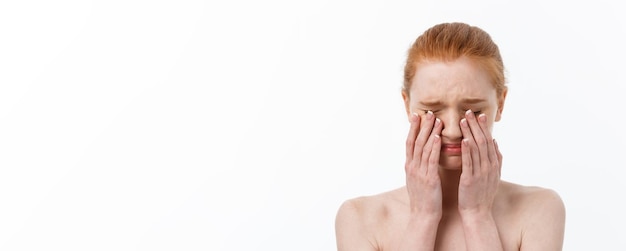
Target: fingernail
(437,122)
(464,122)
(429,114)
(468,112)
(482,117)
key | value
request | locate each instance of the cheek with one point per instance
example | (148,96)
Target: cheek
(490,127)
(490,124)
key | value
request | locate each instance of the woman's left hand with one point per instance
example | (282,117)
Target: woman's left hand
(482,162)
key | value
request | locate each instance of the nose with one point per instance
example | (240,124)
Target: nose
(451,126)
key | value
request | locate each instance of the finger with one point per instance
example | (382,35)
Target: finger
(466,158)
(480,141)
(491,151)
(499,154)
(466,155)
(410,140)
(431,146)
(472,151)
(433,160)
(425,128)
(438,127)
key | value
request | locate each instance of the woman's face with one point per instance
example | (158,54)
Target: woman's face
(449,89)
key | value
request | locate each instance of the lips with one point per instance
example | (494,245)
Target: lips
(453,149)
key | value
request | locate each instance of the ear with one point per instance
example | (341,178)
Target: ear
(501,105)
(407,101)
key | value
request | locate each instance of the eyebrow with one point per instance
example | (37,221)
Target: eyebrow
(431,103)
(473,100)
(463,101)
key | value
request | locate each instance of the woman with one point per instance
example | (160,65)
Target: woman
(454,90)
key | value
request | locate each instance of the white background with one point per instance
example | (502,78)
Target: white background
(194,125)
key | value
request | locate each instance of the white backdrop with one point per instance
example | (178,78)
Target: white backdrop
(194,125)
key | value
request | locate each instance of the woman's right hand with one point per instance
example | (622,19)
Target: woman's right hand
(423,146)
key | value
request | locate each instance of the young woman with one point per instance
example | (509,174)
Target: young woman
(454,90)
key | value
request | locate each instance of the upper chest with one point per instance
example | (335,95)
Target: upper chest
(450,232)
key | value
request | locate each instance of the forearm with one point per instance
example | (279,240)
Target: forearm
(481,233)
(420,234)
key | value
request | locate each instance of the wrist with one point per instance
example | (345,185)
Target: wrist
(423,223)
(425,213)
(476,216)
(417,218)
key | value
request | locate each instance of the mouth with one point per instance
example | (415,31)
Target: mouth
(451,149)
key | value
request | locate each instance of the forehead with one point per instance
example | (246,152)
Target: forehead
(454,80)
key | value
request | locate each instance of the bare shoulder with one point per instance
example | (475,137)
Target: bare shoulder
(359,218)
(540,211)
(368,210)
(532,198)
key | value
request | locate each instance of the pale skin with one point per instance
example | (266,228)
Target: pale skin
(454,198)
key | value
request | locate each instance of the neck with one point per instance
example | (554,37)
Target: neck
(450,188)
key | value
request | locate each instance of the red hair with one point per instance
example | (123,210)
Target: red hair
(448,42)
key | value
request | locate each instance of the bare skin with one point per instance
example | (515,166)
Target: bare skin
(454,198)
